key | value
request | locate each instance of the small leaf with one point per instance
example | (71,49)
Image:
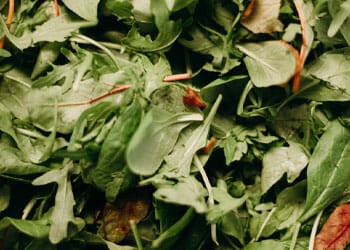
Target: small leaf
(86,9)
(335,233)
(187,191)
(269,63)
(264,18)
(328,171)
(282,160)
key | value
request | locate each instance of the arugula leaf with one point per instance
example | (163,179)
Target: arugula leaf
(62,213)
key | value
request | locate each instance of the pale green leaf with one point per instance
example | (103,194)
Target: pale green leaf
(282,160)
(155,138)
(188,191)
(86,9)
(268,63)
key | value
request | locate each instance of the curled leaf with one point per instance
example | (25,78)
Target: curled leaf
(335,233)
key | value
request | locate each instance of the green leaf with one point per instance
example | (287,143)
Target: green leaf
(86,9)
(226,203)
(112,155)
(180,159)
(12,162)
(328,172)
(34,228)
(5,194)
(282,160)
(269,63)
(168,30)
(188,191)
(148,146)
(340,12)
(62,213)
(333,67)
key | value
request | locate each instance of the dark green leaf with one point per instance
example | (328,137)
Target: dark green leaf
(328,171)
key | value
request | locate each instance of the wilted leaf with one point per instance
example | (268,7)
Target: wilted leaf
(335,233)
(133,205)
(264,18)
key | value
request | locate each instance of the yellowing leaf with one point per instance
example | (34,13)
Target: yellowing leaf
(264,17)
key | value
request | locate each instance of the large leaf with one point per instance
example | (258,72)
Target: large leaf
(328,172)
(335,233)
(155,138)
(269,63)
(340,11)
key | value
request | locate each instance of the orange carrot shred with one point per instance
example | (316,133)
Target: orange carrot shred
(56,7)
(10,14)
(302,54)
(177,77)
(210,145)
(249,10)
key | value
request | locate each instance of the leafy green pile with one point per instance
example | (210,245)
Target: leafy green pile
(70,143)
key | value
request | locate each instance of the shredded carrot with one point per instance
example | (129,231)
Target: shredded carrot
(192,99)
(297,58)
(249,10)
(56,7)
(177,77)
(302,54)
(210,145)
(10,14)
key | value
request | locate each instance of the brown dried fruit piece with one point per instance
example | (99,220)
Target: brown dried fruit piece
(132,205)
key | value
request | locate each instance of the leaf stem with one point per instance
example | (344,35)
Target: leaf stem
(98,45)
(261,229)
(314,230)
(136,234)
(175,229)
(209,188)
(295,236)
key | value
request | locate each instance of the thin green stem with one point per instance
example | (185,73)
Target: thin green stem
(293,241)
(175,229)
(209,188)
(136,234)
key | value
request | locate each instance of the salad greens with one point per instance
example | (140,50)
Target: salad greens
(99,150)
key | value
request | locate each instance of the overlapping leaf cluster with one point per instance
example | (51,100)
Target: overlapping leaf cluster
(276,79)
